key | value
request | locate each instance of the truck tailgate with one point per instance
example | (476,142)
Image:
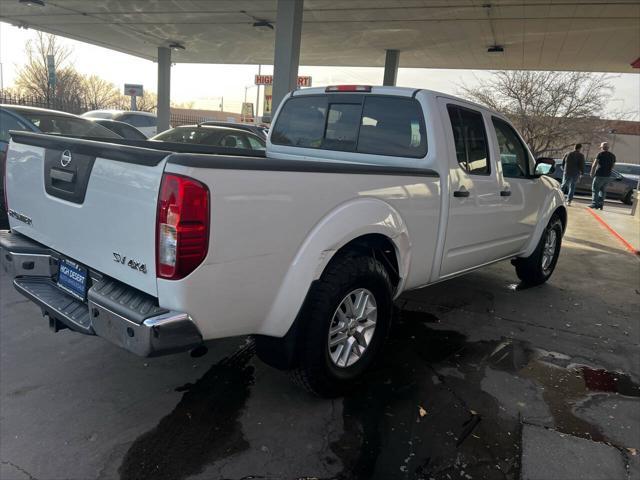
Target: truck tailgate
(91,201)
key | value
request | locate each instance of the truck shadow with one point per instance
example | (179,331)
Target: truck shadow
(203,427)
(436,405)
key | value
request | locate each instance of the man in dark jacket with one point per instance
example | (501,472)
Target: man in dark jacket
(572,168)
(601,171)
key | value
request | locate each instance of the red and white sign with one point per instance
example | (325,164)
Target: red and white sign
(268,80)
(133,90)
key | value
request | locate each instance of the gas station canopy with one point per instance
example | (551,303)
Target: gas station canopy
(586,35)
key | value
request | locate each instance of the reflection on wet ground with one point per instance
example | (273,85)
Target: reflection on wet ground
(203,427)
(435,407)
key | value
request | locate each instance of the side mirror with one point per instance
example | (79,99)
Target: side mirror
(544,166)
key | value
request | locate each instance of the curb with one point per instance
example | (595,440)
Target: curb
(626,244)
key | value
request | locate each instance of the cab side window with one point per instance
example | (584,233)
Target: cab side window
(8,122)
(513,154)
(139,120)
(470,138)
(255,143)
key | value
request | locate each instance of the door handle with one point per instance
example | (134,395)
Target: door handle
(505,193)
(461,193)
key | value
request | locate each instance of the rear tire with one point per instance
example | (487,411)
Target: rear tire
(538,267)
(345,322)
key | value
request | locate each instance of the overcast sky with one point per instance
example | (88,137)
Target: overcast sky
(205,84)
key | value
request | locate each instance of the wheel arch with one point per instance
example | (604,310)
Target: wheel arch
(365,225)
(561,211)
(553,205)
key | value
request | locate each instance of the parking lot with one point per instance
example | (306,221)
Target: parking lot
(480,379)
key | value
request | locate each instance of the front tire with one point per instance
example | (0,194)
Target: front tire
(537,268)
(628,198)
(345,322)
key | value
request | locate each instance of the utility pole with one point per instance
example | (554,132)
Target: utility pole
(244,115)
(257,95)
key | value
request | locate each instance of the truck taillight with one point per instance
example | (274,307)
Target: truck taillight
(182,235)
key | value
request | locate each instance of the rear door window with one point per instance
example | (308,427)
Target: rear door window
(370,124)
(470,139)
(189,135)
(233,140)
(67,125)
(139,120)
(255,143)
(127,131)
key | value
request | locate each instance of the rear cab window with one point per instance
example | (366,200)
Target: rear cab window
(370,124)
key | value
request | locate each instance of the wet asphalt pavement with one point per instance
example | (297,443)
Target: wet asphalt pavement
(480,379)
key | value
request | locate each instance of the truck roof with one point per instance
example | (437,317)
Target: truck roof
(27,108)
(398,91)
(380,90)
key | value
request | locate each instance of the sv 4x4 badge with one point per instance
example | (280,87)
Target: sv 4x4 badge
(141,267)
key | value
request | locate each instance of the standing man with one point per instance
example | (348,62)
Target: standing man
(601,171)
(572,168)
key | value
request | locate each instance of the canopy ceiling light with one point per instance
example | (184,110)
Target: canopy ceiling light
(32,3)
(176,46)
(495,49)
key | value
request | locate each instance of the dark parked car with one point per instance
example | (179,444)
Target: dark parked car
(120,128)
(629,170)
(212,135)
(619,188)
(260,131)
(146,122)
(32,119)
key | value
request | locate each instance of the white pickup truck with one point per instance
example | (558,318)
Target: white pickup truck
(364,193)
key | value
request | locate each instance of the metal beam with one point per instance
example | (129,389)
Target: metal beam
(391,62)
(164,88)
(287,49)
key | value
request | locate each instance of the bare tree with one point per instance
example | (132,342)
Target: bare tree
(33,78)
(552,110)
(100,93)
(148,102)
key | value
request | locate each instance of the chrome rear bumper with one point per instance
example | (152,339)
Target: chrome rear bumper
(121,314)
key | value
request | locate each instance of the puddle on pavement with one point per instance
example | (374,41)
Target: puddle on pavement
(564,384)
(203,427)
(385,435)
(464,432)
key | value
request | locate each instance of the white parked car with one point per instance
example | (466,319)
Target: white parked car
(365,193)
(146,122)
